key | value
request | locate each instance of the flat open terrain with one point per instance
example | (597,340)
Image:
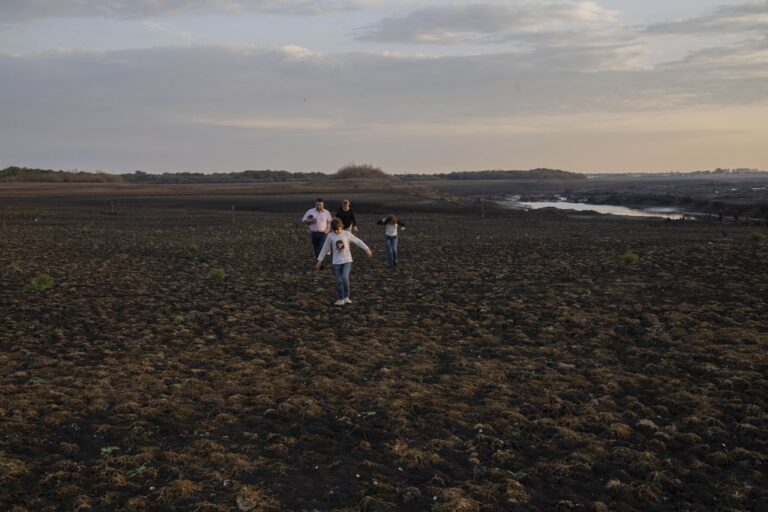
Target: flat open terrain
(511,363)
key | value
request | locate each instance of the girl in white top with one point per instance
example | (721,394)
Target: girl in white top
(391,222)
(338,241)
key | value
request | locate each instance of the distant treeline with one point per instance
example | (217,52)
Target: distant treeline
(739,171)
(25,174)
(534,174)
(219,177)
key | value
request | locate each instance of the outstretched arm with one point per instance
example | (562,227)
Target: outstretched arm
(360,244)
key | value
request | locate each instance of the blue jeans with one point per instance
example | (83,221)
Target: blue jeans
(341,272)
(392,250)
(318,239)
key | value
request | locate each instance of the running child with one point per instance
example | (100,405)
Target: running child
(338,241)
(391,223)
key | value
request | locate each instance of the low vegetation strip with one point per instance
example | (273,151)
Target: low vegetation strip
(352,171)
(27,175)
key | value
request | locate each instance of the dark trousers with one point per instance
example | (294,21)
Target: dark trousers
(318,239)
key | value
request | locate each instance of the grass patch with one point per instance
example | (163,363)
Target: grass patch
(40,283)
(630,258)
(217,274)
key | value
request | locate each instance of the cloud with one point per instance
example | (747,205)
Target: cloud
(490,22)
(22,10)
(748,17)
(241,106)
(739,62)
(269,123)
(303,87)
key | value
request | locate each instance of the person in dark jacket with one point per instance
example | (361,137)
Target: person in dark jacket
(347,216)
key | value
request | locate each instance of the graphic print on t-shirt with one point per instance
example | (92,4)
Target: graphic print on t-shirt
(340,245)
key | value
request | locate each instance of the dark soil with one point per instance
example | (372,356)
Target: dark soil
(511,363)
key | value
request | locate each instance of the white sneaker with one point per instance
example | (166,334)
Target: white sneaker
(347,301)
(340,302)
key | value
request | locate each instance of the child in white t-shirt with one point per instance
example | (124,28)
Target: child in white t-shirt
(391,223)
(338,241)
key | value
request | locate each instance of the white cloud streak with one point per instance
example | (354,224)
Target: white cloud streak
(24,10)
(738,19)
(293,88)
(490,22)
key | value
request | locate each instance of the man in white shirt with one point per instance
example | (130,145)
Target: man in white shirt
(319,221)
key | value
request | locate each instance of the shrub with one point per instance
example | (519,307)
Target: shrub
(352,171)
(629,258)
(756,236)
(217,274)
(40,283)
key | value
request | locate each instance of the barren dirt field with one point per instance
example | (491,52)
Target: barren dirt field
(511,363)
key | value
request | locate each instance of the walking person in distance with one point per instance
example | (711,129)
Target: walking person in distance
(319,221)
(391,223)
(347,216)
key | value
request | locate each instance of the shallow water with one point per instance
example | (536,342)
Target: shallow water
(658,211)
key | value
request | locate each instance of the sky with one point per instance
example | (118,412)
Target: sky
(409,86)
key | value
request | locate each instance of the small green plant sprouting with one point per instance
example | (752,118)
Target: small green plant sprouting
(16,268)
(756,236)
(178,320)
(40,283)
(179,385)
(217,274)
(630,258)
(518,475)
(109,450)
(137,471)
(194,247)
